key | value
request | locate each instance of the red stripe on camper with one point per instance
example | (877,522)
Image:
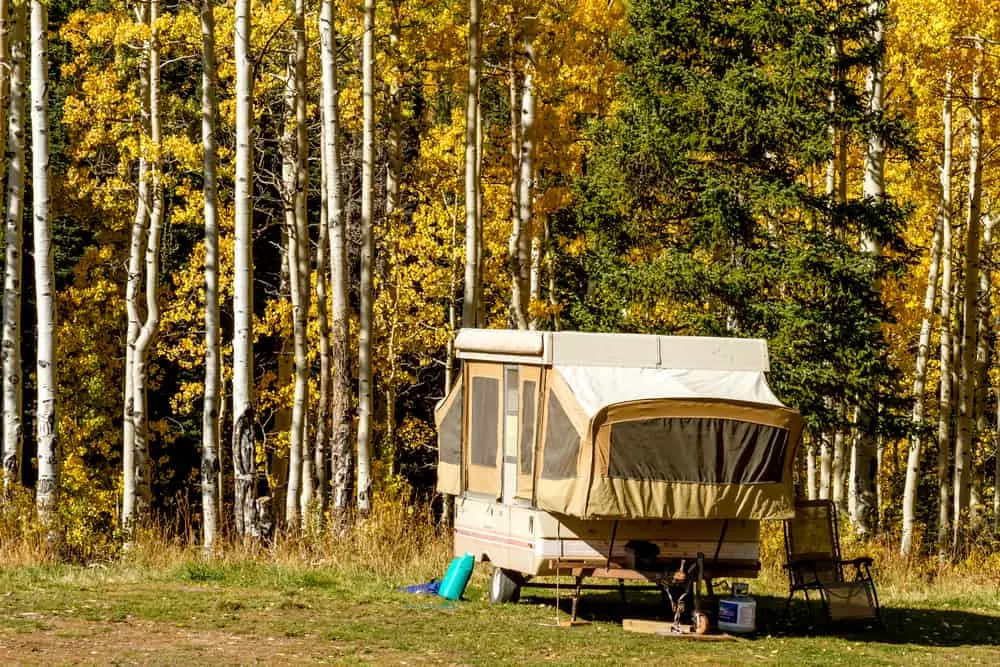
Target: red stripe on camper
(493,537)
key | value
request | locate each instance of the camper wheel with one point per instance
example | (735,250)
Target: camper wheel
(505,586)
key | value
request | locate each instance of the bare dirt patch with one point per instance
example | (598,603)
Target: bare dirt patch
(53,640)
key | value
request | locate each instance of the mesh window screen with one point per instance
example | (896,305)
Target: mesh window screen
(484,422)
(696,449)
(562,444)
(450,433)
(528,429)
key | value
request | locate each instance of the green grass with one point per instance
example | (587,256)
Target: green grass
(247,612)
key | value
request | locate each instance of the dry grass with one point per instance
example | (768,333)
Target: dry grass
(402,542)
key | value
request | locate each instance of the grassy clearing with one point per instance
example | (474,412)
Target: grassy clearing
(246,611)
(333,599)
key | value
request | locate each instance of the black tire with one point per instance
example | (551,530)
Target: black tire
(505,586)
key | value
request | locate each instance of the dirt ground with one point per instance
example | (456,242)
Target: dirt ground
(47,641)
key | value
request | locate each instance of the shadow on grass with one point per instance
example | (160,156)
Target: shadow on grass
(901,625)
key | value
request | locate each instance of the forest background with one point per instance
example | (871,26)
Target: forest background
(269,219)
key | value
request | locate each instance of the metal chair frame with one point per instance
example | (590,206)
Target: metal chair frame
(807,574)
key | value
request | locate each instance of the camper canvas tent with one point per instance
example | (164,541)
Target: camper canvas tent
(549,437)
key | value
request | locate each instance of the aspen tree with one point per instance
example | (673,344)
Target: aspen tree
(210,439)
(291,256)
(366,287)
(151,274)
(244,461)
(864,458)
(133,289)
(13,242)
(470,306)
(967,358)
(322,441)
(341,454)
(919,379)
(521,235)
(45,425)
(945,400)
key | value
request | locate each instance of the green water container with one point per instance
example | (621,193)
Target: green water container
(456,578)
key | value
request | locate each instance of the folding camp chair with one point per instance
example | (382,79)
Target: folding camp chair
(812,550)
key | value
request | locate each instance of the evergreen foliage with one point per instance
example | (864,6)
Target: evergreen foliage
(697,205)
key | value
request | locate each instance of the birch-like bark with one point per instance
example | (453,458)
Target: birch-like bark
(288,174)
(811,490)
(919,380)
(514,77)
(213,372)
(341,453)
(13,242)
(944,401)
(526,179)
(470,305)
(826,439)
(840,462)
(866,468)
(967,367)
(150,326)
(393,173)
(996,469)
(303,248)
(46,434)
(367,242)
(322,441)
(984,353)
(134,306)
(245,506)
(5,76)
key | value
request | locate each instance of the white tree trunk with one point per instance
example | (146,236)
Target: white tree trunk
(5,76)
(367,241)
(46,425)
(919,379)
(134,305)
(984,355)
(865,467)
(303,249)
(150,327)
(341,453)
(526,182)
(811,490)
(967,368)
(996,470)
(839,469)
(213,372)
(472,242)
(13,242)
(825,465)
(321,443)
(945,408)
(291,235)
(244,462)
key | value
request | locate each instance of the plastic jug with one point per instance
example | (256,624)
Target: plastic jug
(456,578)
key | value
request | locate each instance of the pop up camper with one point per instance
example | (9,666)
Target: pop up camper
(616,455)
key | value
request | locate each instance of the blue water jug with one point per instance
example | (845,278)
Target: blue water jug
(456,578)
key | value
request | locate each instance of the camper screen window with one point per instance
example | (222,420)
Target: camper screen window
(450,433)
(562,444)
(485,423)
(528,429)
(697,449)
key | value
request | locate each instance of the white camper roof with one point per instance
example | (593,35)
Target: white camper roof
(636,351)
(597,387)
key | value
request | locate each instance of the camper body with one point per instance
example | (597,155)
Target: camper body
(613,454)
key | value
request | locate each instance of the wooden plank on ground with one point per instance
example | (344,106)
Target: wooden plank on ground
(664,629)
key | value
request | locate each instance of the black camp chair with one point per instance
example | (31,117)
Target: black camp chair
(812,550)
